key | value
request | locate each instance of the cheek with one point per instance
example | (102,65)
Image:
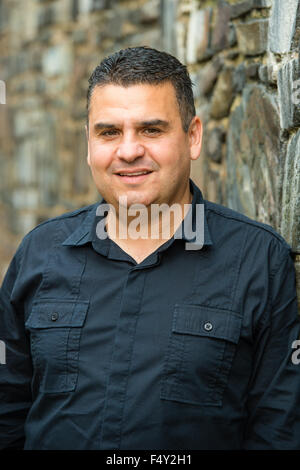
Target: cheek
(166,153)
(100,156)
(172,155)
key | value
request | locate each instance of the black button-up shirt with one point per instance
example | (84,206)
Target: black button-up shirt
(189,349)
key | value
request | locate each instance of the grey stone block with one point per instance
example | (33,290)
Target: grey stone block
(57,60)
(79,36)
(220,34)
(24,221)
(290,226)
(198,39)
(252,37)
(208,75)
(239,78)
(288,80)
(85,6)
(168,25)
(102,4)
(263,73)
(214,141)
(252,70)
(27,122)
(151,38)
(231,35)
(149,12)
(25,162)
(112,28)
(241,8)
(262,3)
(46,17)
(253,156)
(283,25)
(25,198)
(223,94)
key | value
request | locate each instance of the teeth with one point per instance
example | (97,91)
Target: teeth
(134,174)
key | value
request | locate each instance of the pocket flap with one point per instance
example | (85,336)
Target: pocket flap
(56,314)
(207,321)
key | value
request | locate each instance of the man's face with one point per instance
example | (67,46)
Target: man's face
(138,129)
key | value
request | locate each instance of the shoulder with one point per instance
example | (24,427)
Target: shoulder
(237,224)
(59,227)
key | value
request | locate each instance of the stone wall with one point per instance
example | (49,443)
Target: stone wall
(243,56)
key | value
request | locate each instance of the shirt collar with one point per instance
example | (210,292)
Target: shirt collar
(86,232)
(200,235)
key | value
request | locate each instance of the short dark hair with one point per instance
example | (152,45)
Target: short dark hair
(138,65)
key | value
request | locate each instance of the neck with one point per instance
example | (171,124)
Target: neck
(143,225)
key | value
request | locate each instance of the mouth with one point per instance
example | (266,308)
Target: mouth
(134,177)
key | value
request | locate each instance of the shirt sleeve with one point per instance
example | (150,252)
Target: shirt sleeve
(16,366)
(274,390)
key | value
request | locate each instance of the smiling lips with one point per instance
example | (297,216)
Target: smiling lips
(133,172)
(136,176)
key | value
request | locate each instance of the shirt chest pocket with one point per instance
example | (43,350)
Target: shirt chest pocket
(200,353)
(55,329)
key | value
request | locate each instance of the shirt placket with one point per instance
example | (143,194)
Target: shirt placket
(120,368)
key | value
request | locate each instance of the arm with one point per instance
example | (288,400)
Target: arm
(274,388)
(16,373)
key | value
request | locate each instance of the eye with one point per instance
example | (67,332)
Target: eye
(109,133)
(151,130)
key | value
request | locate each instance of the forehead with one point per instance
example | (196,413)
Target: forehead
(139,100)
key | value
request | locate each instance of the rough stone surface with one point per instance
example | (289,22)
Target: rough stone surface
(208,76)
(85,6)
(283,25)
(223,94)
(262,3)
(27,122)
(198,39)
(253,157)
(46,16)
(252,70)
(220,36)
(252,37)
(241,8)
(101,4)
(263,73)
(25,199)
(170,33)
(290,223)
(239,78)
(215,139)
(57,60)
(214,185)
(288,94)
(149,12)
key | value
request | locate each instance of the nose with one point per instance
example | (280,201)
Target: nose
(129,149)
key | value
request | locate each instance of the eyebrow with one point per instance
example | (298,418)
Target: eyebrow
(155,122)
(152,122)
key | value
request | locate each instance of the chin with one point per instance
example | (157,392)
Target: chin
(138,199)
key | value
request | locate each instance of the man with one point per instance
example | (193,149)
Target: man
(120,342)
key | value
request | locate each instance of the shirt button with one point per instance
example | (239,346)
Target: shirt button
(208,326)
(54,316)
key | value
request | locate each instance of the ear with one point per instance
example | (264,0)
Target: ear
(195,133)
(88,145)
